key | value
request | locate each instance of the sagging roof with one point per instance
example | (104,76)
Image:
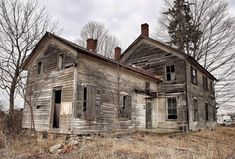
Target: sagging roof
(80,49)
(188,57)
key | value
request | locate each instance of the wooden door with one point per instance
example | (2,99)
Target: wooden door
(148,114)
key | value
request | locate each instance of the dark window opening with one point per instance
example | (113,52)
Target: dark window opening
(58,96)
(84,99)
(147,86)
(172,108)
(61,61)
(205,83)
(125,106)
(193,76)
(39,67)
(207,111)
(170,73)
(195,104)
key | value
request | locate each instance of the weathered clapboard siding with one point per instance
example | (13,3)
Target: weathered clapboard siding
(40,89)
(84,71)
(202,96)
(155,60)
(104,76)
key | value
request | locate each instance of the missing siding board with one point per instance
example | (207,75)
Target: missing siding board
(38,106)
(169,54)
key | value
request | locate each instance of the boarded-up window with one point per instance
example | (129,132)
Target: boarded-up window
(170,73)
(85,106)
(205,83)
(39,67)
(172,108)
(195,110)
(69,61)
(125,107)
(91,98)
(193,76)
(78,109)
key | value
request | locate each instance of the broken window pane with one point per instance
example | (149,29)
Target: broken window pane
(170,72)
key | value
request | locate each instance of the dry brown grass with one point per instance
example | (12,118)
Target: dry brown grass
(219,143)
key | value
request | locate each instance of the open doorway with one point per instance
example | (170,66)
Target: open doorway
(56,107)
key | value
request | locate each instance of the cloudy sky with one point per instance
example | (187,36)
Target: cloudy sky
(122,17)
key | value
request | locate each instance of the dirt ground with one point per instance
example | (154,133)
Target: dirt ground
(218,144)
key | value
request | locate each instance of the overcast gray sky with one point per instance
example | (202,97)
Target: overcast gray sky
(122,17)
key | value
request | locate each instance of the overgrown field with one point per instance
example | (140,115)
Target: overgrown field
(219,143)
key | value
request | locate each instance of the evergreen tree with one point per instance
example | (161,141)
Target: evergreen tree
(183,32)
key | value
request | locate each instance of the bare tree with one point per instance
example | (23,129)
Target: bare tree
(31,94)
(22,24)
(215,48)
(105,42)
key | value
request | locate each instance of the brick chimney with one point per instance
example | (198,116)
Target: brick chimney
(145,29)
(117,52)
(91,44)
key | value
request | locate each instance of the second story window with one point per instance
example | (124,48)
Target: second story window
(61,62)
(193,76)
(147,86)
(39,67)
(170,73)
(211,86)
(205,83)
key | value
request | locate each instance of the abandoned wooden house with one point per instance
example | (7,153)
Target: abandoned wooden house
(150,85)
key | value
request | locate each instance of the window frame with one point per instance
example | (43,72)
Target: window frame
(61,61)
(171,73)
(174,115)
(205,83)
(147,86)
(39,70)
(194,78)
(195,109)
(123,106)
